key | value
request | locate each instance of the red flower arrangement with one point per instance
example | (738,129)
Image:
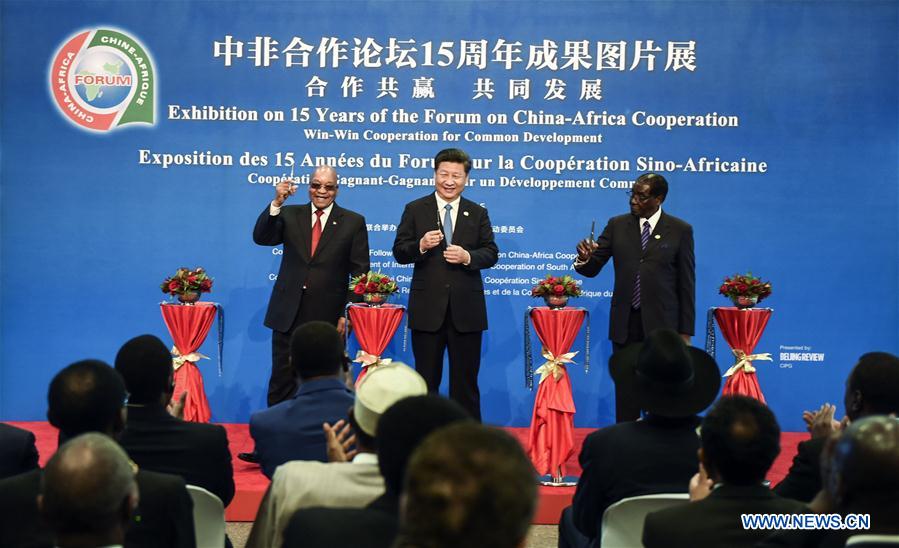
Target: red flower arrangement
(556,286)
(746,286)
(187,281)
(373,282)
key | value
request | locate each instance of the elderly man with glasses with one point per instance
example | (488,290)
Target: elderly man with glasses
(655,277)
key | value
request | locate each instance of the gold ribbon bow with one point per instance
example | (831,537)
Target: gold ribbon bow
(368,360)
(744,361)
(178,360)
(553,364)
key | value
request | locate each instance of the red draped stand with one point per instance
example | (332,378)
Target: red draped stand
(551,435)
(188,326)
(374,327)
(742,329)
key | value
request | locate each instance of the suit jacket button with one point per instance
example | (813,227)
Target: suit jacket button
(446,286)
(304,287)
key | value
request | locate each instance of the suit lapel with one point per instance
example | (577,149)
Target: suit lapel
(327,230)
(304,220)
(463,220)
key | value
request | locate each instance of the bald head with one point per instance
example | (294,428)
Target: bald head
(88,488)
(864,465)
(323,187)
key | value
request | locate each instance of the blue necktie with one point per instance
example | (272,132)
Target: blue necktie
(448,224)
(644,239)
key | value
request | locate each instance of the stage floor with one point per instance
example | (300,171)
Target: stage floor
(250,484)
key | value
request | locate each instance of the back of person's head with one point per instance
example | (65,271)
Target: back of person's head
(740,440)
(87,396)
(316,350)
(403,427)
(468,485)
(379,389)
(146,367)
(873,386)
(863,470)
(88,488)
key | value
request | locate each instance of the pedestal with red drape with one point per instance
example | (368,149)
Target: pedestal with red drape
(188,325)
(374,326)
(551,435)
(742,329)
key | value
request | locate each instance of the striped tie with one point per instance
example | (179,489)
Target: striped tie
(644,239)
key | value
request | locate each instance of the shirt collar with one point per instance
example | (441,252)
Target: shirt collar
(441,203)
(365,458)
(653,220)
(327,210)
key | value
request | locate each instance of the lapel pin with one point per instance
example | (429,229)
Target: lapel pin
(465,213)
(335,222)
(658,236)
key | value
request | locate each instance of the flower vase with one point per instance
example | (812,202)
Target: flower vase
(375,299)
(556,301)
(189,297)
(745,301)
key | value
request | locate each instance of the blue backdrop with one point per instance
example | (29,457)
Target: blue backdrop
(556,101)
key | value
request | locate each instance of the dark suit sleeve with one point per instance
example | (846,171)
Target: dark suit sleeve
(803,481)
(590,501)
(600,255)
(686,284)
(269,228)
(486,254)
(405,245)
(225,489)
(651,531)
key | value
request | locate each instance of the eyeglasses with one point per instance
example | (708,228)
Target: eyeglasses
(329,188)
(642,198)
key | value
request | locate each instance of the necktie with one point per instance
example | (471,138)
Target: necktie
(644,239)
(448,224)
(316,230)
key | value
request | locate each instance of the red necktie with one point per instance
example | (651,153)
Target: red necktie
(316,230)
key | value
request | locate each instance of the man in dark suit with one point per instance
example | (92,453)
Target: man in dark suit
(89,396)
(872,388)
(17,451)
(740,439)
(672,382)
(450,240)
(401,429)
(654,273)
(324,246)
(155,439)
(292,429)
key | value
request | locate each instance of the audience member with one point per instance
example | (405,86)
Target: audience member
(292,429)
(89,396)
(88,492)
(740,439)
(862,478)
(468,485)
(872,388)
(672,383)
(156,440)
(341,482)
(17,451)
(400,430)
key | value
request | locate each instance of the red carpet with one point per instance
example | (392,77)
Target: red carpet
(251,484)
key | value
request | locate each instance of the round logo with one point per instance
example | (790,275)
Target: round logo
(102,79)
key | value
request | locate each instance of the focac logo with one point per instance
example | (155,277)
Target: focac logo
(102,79)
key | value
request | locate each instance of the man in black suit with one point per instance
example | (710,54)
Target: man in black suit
(324,246)
(89,396)
(672,382)
(654,273)
(872,388)
(450,240)
(160,442)
(88,492)
(17,451)
(740,440)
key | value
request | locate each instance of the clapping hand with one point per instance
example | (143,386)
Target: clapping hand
(821,423)
(339,439)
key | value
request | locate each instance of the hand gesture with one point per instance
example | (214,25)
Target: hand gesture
(700,485)
(821,423)
(283,190)
(584,248)
(176,407)
(455,254)
(431,239)
(339,439)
